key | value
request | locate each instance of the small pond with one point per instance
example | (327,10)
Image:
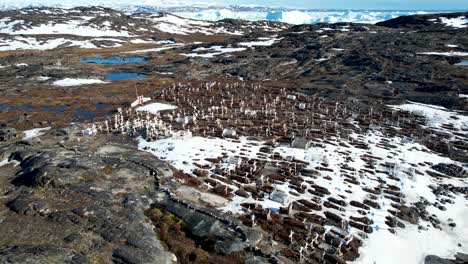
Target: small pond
(463,63)
(117,60)
(121,76)
(85,115)
(55,109)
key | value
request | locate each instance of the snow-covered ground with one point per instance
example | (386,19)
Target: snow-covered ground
(458,22)
(184,151)
(166,47)
(154,108)
(36,132)
(26,43)
(72,27)
(32,42)
(260,42)
(75,82)
(183,26)
(213,51)
(451,53)
(188,153)
(436,116)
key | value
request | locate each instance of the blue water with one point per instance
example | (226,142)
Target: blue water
(4,107)
(101,106)
(85,115)
(121,76)
(26,108)
(463,63)
(117,60)
(56,109)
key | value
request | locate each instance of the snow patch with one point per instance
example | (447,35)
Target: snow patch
(154,108)
(75,82)
(167,47)
(36,132)
(184,151)
(260,42)
(218,50)
(451,53)
(436,116)
(457,22)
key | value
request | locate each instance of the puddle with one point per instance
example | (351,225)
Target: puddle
(28,108)
(4,107)
(81,114)
(463,63)
(101,106)
(85,115)
(56,109)
(117,60)
(121,76)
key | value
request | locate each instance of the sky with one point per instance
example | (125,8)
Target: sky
(297,4)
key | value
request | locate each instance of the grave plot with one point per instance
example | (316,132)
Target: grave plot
(324,180)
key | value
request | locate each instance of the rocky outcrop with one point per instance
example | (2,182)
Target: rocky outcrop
(40,254)
(460,258)
(7,134)
(62,203)
(420,21)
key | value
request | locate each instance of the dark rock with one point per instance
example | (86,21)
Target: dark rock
(27,205)
(452,170)
(431,259)
(72,238)
(40,254)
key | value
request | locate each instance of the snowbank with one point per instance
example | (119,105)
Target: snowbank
(154,108)
(75,82)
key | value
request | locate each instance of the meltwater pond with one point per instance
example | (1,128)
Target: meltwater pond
(121,76)
(463,63)
(28,108)
(116,60)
